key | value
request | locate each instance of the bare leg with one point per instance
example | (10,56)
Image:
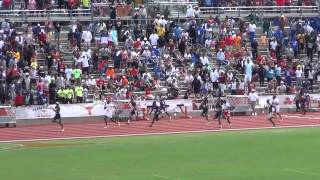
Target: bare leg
(280,116)
(61,125)
(155,118)
(130,118)
(272,122)
(228,120)
(106,121)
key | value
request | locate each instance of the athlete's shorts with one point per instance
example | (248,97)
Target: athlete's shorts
(226,113)
(133,112)
(57,118)
(205,110)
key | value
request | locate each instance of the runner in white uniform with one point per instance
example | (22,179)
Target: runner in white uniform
(276,104)
(109,111)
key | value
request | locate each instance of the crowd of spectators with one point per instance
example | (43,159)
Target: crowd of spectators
(159,55)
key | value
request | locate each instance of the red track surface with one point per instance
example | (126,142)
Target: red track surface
(142,127)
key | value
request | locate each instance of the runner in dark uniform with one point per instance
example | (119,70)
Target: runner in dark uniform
(163,107)
(134,110)
(219,111)
(57,117)
(304,103)
(205,108)
(157,112)
(271,110)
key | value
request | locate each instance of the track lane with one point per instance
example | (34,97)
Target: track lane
(142,127)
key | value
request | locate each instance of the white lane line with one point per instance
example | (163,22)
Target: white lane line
(302,117)
(300,172)
(164,177)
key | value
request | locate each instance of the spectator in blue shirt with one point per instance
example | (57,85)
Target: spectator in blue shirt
(278,74)
(270,74)
(177,32)
(200,34)
(295,46)
(220,56)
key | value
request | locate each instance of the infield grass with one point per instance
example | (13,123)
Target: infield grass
(292,154)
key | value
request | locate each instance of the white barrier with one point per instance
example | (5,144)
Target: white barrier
(86,110)
(97,109)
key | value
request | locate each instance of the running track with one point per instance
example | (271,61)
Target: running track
(164,126)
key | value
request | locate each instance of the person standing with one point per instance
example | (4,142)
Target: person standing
(248,67)
(253,99)
(252,30)
(87,38)
(57,117)
(79,93)
(69,95)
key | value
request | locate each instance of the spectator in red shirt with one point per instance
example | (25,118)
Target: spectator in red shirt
(133,73)
(222,44)
(19,100)
(148,93)
(280,2)
(40,86)
(102,66)
(124,81)
(13,72)
(100,83)
(229,42)
(42,37)
(137,44)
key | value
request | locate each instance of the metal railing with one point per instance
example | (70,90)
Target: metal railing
(262,10)
(94,14)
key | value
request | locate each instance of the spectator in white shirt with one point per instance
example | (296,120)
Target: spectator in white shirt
(234,87)
(299,74)
(61,83)
(248,67)
(87,38)
(68,72)
(221,56)
(154,39)
(204,60)
(252,30)
(190,12)
(241,88)
(253,99)
(85,64)
(188,80)
(229,76)
(214,75)
(92,84)
(273,45)
(163,21)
